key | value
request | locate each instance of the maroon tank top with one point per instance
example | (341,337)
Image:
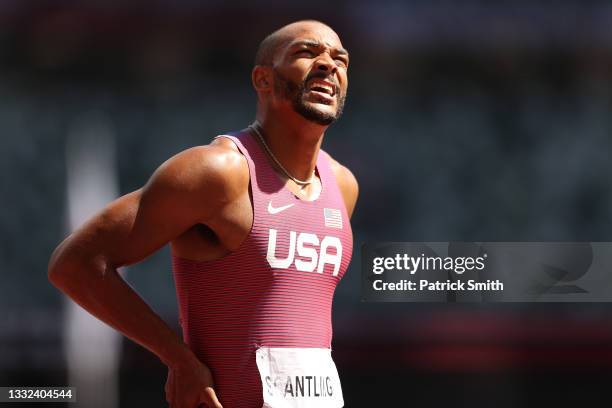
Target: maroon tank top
(276,289)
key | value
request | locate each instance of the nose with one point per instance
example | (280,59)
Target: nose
(326,64)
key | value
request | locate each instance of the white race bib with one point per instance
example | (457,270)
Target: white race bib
(299,378)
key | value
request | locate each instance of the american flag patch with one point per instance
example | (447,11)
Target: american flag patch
(333,218)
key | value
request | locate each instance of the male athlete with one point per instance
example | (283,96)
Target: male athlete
(258,222)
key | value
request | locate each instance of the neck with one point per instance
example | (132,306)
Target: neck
(294,143)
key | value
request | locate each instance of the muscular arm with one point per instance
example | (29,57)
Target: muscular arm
(347,184)
(187,189)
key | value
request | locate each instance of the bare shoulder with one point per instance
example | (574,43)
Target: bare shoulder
(200,181)
(218,168)
(347,182)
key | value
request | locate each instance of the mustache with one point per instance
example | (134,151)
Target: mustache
(324,76)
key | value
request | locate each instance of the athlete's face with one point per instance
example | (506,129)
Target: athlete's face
(310,73)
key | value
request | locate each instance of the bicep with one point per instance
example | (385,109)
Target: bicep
(132,227)
(186,190)
(351,197)
(139,223)
(347,184)
(350,190)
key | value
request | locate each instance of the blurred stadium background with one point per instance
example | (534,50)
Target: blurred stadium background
(470,120)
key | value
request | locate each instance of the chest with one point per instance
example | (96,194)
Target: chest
(308,236)
(313,236)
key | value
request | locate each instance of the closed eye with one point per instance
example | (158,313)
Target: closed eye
(342,61)
(306,52)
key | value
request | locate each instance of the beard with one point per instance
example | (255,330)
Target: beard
(295,92)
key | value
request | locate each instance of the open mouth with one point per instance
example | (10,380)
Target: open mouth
(324,90)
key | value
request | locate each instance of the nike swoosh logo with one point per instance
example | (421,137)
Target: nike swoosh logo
(276,210)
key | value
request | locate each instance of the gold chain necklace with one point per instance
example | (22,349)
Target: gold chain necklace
(254,128)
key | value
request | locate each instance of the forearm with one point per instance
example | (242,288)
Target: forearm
(99,289)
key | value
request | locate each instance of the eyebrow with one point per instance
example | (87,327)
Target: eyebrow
(317,44)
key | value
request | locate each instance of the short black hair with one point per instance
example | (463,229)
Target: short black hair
(269,45)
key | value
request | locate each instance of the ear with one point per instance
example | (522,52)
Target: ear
(261,76)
